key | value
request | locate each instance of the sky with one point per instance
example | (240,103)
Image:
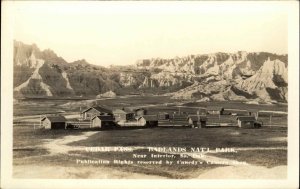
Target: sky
(119,33)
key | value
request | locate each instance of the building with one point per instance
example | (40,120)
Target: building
(179,120)
(246,121)
(148,120)
(91,112)
(193,121)
(215,110)
(197,120)
(75,123)
(54,122)
(103,121)
(140,112)
(122,114)
(203,120)
(163,116)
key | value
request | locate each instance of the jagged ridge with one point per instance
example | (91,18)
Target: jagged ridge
(220,76)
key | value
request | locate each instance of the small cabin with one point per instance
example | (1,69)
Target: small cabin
(246,121)
(54,122)
(122,115)
(91,112)
(103,121)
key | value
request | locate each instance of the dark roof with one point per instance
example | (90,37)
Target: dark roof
(246,118)
(150,117)
(53,119)
(99,109)
(104,118)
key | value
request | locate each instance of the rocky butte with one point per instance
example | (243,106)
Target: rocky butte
(245,76)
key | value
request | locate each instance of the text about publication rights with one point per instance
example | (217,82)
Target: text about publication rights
(192,156)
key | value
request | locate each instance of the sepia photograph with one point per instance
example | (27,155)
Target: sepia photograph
(186,93)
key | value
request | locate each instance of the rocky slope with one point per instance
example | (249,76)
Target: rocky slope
(260,77)
(43,73)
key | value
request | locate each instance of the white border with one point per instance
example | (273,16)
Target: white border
(6,118)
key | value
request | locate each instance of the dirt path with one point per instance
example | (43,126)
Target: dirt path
(59,146)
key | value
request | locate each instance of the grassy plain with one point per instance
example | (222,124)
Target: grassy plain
(265,147)
(29,149)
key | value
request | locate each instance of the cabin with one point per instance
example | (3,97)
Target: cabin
(179,120)
(148,120)
(163,116)
(197,121)
(91,112)
(140,112)
(103,121)
(122,114)
(246,121)
(77,123)
(54,122)
(215,110)
(203,120)
(72,123)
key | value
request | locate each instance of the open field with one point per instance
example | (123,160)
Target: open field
(40,153)
(266,147)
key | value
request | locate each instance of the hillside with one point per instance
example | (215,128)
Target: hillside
(261,77)
(222,76)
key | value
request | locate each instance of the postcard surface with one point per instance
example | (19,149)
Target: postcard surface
(181,93)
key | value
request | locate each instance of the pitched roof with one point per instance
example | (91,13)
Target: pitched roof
(53,119)
(99,109)
(246,118)
(104,118)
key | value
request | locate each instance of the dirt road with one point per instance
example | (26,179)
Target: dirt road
(59,146)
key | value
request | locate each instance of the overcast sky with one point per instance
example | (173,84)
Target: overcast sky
(106,33)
